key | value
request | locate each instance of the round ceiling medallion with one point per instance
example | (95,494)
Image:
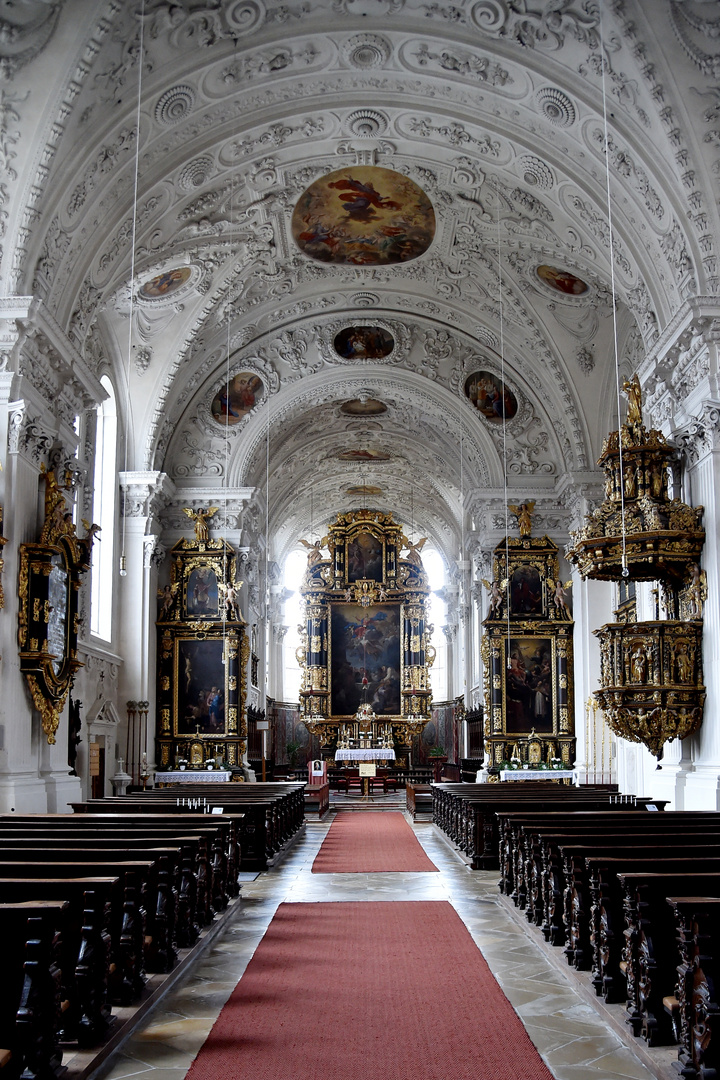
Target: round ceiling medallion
(175,105)
(490,396)
(366,123)
(363,215)
(363,407)
(562,280)
(366,51)
(556,106)
(167,282)
(196,173)
(364,343)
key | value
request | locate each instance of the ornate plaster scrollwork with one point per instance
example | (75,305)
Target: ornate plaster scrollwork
(702,435)
(25,30)
(537,26)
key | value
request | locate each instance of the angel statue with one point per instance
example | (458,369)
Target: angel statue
(231,599)
(560,597)
(495,597)
(524,513)
(200,517)
(413,555)
(166,599)
(315,554)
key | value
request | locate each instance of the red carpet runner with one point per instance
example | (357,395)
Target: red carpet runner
(393,990)
(367,842)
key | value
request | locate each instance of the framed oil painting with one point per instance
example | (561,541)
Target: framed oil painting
(364,560)
(562,280)
(237,398)
(200,687)
(364,343)
(529,685)
(527,592)
(365,658)
(164,284)
(202,593)
(363,215)
(491,397)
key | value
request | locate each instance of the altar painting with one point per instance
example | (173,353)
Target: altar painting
(529,703)
(364,558)
(202,593)
(365,645)
(363,215)
(200,687)
(526,591)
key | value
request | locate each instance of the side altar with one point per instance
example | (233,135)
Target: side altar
(203,654)
(527,650)
(365,653)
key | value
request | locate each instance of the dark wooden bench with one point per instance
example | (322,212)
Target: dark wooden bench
(419,801)
(694,1008)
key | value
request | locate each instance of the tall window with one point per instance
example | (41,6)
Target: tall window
(294,569)
(435,569)
(105,487)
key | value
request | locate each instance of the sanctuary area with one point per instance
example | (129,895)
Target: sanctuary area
(359,503)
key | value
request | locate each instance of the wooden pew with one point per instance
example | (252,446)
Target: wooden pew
(87,1016)
(30,1002)
(419,801)
(650,954)
(695,1008)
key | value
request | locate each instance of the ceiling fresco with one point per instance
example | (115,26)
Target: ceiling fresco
(338,243)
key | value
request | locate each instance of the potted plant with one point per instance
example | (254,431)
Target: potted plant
(291,749)
(437,757)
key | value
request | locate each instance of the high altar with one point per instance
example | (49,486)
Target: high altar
(365,653)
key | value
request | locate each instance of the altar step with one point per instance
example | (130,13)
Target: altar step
(392,801)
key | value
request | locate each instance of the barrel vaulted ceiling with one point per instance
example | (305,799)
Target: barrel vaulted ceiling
(492,108)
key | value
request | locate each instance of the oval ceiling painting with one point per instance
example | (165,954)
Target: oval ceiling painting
(359,491)
(237,398)
(362,455)
(562,280)
(365,216)
(491,397)
(363,407)
(164,284)
(364,343)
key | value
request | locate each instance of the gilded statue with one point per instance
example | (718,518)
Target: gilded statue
(413,555)
(201,517)
(315,554)
(524,513)
(633,392)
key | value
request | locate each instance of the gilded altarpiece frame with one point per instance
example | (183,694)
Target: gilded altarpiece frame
(527,652)
(48,618)
(203,655)
(366,637)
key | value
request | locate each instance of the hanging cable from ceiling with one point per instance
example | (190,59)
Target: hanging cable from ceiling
(504,428)
(611,241)
(141,50)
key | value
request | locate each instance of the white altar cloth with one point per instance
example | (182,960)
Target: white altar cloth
(365,755)
(194,776)
(539,774)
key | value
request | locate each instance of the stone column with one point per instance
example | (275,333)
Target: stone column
(143,494)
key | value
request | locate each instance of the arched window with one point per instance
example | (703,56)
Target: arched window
(104,504)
